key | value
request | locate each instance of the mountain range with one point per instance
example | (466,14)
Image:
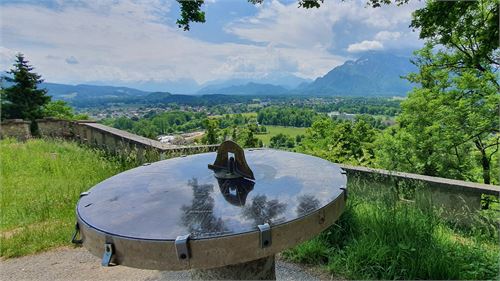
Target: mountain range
(249,88)
(373,74)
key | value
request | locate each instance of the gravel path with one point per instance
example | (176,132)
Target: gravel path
(78,264)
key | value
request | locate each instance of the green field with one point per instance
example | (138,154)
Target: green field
(41,182)
(274,130)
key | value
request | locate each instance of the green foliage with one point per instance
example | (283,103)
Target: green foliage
(372,106)
(282,141)
(340,141)
(230,120)
(171,122)
(190,12)
(298,138)
(155,124)
(23,99)
(250,140)
(245,136)
(380,237)
(211,135)
(122,123)
(276,130)
(145,128)
(449,126)
(41,183)
(191,9)
(468,30)
(286,116)
(61,110)
(177,121)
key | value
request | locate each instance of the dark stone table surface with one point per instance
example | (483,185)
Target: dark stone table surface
(179,196)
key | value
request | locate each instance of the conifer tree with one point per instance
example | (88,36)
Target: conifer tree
(23,99)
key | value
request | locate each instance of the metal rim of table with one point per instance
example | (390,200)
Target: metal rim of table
(208,252)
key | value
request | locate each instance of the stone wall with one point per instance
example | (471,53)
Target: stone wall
(115,141)
(55,128)
(453,195)
(456,198)
(15,128)
(130,145)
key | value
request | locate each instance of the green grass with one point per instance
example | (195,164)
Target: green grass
(274,130)
(377,237)
(40,184)
(380,237)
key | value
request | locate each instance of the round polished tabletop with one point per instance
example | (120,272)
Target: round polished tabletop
(179,196)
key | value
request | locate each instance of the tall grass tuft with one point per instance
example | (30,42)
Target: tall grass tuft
(381,237)
(41,181)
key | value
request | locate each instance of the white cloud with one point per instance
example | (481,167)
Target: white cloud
(288,25)
(126,43)
(365,46)
(387,35)
(132,41)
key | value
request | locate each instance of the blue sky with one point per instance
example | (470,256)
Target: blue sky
(137,42)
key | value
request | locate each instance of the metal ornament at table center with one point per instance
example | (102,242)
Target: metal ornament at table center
(168,216)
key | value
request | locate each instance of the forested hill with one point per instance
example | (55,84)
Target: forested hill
(82,91)
(374,74)
(246,89)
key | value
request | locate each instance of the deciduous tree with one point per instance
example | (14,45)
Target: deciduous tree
(449,125)
(211,134)
(281,141)
(340,141)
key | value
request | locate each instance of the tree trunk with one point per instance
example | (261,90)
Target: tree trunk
(485,162)
(34,128)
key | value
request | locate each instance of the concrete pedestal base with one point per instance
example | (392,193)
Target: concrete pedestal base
(261,269)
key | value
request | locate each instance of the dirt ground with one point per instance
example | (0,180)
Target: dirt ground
(78,264)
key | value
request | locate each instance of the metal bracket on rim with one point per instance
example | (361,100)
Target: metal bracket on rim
(108,254)
(75,234)
(265,235)
(343,187)
(182,247)
(345,192)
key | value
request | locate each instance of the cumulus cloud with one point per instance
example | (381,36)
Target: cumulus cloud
(121,43)
(326,28)
(365,46)
(128,40)
(387,35)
